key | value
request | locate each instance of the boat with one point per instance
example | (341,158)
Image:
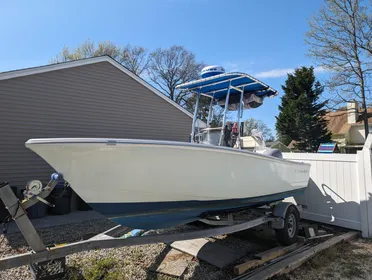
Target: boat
(151,184)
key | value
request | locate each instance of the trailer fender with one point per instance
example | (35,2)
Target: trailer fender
(277,223)
(280,210)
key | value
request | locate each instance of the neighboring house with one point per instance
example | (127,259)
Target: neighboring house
(278,145)
(94,97)
(347,127)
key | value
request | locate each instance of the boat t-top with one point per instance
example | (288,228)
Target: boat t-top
(232,91)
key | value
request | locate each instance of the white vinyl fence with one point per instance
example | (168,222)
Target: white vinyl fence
(339,190)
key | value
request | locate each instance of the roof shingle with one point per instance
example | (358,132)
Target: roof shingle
(338,124)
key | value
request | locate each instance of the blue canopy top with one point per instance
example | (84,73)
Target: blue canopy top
(218,86)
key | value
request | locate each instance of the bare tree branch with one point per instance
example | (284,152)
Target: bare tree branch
(135,58)
(171,67)
(340,40)
(251,123)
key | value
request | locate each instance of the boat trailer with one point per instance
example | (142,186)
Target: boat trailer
(283,217)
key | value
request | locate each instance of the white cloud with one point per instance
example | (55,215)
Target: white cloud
(232,67)
(320,69)
(282,72)
(275,73)
(241,66)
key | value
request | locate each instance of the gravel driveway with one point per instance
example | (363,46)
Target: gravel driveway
(345,261)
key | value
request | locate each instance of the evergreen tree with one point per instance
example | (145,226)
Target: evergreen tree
(301,116)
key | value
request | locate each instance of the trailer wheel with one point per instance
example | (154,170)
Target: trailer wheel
(288,234)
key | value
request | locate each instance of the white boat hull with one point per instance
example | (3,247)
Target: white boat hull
(117,171)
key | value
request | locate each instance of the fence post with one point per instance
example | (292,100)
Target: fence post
(365,187)
(363,197)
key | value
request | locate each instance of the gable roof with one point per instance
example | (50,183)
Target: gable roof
(273,143)
(292,144)
(86,61)
(338,124)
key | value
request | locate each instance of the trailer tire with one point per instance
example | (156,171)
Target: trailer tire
(289,233)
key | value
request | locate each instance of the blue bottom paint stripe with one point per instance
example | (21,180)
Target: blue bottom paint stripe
(152,215)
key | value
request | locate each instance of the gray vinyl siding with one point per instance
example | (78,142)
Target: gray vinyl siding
(96,100)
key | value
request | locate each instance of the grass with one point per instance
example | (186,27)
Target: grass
(348,260)
(323,258)
(352,269)
(108,269)
(102,269)
(328,274)
(97,270)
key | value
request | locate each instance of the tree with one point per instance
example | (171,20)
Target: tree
(218,117)
(88,49)
(340,38)
(171,67)
(251,123)
(134,58)
(189,102)
(301,116)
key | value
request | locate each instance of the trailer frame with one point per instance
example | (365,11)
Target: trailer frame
(40,253)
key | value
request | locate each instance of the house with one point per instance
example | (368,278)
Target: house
(278,145)
(347,127)
(95,97)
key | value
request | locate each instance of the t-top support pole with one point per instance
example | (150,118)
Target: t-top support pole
(240,115)
(224,115)
(192,140)
(210,112)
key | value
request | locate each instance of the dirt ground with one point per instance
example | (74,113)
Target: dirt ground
(347,260)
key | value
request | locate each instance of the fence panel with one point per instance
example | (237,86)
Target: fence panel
(332,195)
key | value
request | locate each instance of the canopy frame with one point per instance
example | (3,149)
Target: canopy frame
(221,87)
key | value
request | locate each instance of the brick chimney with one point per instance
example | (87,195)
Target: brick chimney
(352,111)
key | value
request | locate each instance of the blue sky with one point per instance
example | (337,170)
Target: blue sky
(264,38)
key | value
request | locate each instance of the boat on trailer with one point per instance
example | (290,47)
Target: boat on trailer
(149,184)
